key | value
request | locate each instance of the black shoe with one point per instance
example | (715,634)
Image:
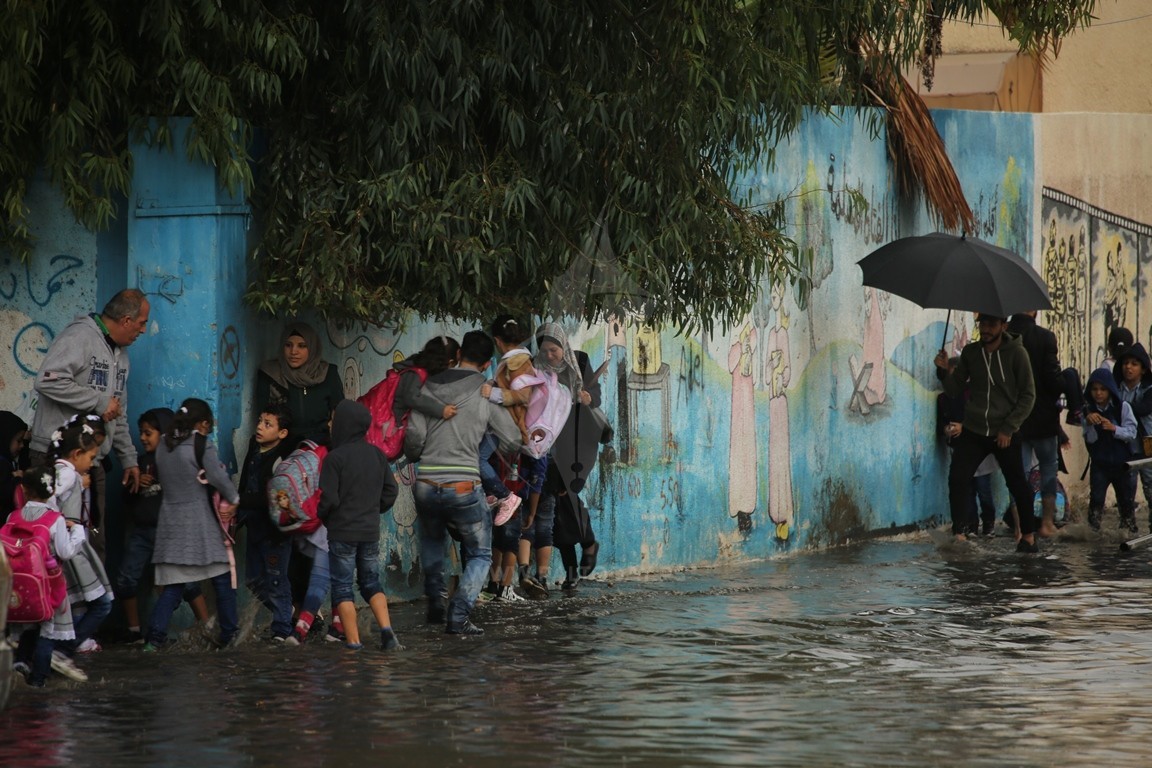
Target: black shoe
(1129,526)
(533,587)
(569,585)
(436,614)
(467,628)
(1094,519)
(1028,547)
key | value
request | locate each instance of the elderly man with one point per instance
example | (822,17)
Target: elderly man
(86,371)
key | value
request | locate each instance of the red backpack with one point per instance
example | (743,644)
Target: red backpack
(386,433)
(38,586)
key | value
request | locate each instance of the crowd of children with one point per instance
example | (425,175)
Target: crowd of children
(187,511)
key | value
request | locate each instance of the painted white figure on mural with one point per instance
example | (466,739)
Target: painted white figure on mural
(780,505)
(743,463)
(875,310)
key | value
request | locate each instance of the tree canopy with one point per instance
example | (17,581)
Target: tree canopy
(454,156)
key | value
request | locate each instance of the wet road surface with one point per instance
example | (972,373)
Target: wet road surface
(886,653)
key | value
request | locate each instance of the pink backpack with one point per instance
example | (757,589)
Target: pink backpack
(386,433)
(548,409)
(38,586)
(296,479)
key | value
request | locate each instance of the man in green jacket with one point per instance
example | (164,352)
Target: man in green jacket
(996,375)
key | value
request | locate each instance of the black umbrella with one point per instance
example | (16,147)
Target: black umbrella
(956,272)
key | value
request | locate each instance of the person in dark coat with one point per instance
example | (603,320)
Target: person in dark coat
(14,437)
(1040,432)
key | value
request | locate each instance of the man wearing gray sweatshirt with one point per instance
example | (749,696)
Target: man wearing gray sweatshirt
(86,371)
(449,498)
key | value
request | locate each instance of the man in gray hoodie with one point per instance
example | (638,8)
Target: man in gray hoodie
(996,375)
(86,371)
(448,495)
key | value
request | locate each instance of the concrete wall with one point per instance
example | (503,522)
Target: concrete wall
(807,423)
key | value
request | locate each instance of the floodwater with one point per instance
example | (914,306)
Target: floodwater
(886,653)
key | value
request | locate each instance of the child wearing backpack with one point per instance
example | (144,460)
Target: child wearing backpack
(144,512)
(267,549)
(190,545)
(402,390)
(63,539)
(356,487)
(73,450)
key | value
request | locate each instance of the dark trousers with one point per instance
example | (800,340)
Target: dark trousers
(968,450)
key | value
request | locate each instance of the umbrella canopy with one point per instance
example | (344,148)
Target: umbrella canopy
(956,272)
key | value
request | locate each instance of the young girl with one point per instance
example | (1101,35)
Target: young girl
(73,449)
(189,541)
(34,656)
(144,509)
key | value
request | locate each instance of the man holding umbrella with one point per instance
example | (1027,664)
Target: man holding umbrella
(997,373)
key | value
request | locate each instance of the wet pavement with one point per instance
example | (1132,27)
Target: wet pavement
(886,653)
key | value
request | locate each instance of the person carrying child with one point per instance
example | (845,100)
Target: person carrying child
(267,549)
(36,653)
(73,450)
(1133,372)
(14,437)
(190,542)
(1109,431)
(144,512)
(356,488)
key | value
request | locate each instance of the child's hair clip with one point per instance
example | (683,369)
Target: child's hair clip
(87,429)
(182,409)
(57,436)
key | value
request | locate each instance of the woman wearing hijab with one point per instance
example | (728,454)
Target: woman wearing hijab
(13,459)
(573,454)
(302,380)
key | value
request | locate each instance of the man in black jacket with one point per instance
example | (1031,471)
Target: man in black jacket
(1040,432)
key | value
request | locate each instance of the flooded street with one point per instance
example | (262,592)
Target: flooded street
(884,653)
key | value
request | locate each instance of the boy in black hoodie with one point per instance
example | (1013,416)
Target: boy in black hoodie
(356,487)
(267,550)
(1109,430)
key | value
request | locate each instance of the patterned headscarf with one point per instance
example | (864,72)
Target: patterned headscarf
(314,370)
(568,372)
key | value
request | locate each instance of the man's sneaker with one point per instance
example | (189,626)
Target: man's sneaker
(88,646)
(65,666)
(509,595)
(534,587)
(467,628)
(508,506)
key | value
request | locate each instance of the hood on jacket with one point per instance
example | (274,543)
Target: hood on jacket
(1103,376)
(10,426)
(1137,351)
(455,385)
(350,422)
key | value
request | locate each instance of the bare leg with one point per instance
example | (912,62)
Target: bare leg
(379,606)
(347,613)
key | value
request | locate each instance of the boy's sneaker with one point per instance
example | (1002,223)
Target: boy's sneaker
(22,668)
(508,506)
(89,646)
(333,635)
(534,587)
(509,595)
(354,646)
(467,628)
(66,667)
(389,641)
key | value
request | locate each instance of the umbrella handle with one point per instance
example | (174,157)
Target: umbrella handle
(947,323)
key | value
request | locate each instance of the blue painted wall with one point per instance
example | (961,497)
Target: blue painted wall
(747,443)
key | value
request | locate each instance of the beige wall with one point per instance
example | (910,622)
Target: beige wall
(1105,68)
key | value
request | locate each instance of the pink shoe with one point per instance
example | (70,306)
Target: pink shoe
(508,506)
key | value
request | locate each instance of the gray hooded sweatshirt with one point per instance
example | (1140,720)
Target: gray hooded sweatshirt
(81,373)
(449,451)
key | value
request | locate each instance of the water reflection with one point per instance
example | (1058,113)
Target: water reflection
(886,653)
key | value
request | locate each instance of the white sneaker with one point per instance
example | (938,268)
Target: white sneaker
(65,666)
(88,646)
(510,595)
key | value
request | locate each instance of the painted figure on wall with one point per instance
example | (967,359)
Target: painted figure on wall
(779,374)
(1115,287)
(743,464)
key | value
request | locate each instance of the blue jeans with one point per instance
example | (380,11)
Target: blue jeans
(360,559)
(169,601)
(441,512)
(268,579)
(539,534)
(86,626)
(1047,450)
(137,557)
(319,582)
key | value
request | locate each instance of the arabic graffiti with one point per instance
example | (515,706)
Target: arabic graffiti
(40,293)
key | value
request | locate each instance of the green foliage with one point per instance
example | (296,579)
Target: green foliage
(451,158)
